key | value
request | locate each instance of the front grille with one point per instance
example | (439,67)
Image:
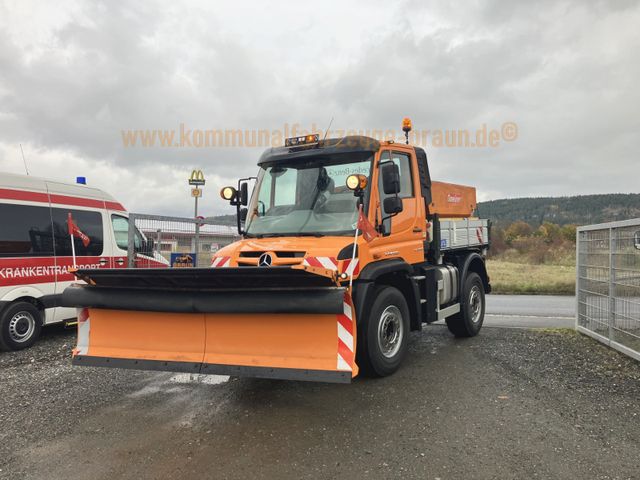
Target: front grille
(280,254)
(250,254)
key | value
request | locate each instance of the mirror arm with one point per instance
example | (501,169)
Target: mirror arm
(380,227)
(238,203)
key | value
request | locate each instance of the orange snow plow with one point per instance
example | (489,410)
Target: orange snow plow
(282,322)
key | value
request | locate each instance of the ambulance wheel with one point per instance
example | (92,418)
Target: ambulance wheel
(384,335)
(20,326)
(468,321)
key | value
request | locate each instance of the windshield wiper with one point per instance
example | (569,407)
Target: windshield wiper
(268,235)
(289,234)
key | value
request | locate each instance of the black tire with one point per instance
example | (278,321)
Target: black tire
(468,322)
(381,350)
(20,326)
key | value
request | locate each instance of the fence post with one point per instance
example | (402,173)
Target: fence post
(578,267)
(612,286)
(131,241)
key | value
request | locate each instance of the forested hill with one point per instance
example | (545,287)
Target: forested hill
(579,210)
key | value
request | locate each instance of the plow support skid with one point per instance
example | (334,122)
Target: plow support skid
(297,326)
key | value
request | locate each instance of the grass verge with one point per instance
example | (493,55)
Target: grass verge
(522,278)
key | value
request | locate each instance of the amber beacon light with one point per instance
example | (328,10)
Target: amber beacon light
(406,128)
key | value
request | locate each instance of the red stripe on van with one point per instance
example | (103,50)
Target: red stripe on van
(78,201)
(25,271)
(9,194)
(23,195)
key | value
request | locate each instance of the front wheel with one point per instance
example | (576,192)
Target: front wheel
(384,335)
(20,325)
(468,321)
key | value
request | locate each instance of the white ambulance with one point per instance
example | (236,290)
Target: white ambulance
(36,254)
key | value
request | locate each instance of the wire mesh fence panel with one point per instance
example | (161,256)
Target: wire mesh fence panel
(608,284)
(159,241)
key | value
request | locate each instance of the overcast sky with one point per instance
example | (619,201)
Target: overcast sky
(74,75)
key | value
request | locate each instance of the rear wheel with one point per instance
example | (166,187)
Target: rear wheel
(20,326)
(383,336)
(468,321)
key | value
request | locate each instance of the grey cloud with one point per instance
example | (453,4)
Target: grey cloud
(565,72)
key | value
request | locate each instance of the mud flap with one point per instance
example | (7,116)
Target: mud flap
(316,345)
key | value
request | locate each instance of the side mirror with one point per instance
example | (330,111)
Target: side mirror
(392,205)
(244,193)
(243,214)
(390,178)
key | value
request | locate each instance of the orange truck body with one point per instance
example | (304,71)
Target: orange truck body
(452,201)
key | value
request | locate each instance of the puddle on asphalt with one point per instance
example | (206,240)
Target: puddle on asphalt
(173,383)
(197,378)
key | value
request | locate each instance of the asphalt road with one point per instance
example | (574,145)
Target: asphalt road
(509,403)
(530,311)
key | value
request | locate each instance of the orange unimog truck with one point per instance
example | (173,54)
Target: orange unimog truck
(314,290)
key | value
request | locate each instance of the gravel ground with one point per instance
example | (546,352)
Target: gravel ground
(510,403)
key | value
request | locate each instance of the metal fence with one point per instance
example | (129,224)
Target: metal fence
(608,284)
(160,241)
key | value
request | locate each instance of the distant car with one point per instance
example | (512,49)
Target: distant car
(35,249)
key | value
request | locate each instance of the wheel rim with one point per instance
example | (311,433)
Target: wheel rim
(21,327)
(475,304)
(390,331)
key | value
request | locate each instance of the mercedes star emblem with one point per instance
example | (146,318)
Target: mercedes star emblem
(265,260)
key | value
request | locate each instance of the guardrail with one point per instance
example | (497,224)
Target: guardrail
(608,284)
(160,241)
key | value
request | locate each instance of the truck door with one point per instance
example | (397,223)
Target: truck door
(404,232)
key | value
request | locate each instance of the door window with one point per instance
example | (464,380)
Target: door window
(89,223)
(403,162)
(120,226)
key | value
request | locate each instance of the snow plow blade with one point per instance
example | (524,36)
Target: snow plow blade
(277,322)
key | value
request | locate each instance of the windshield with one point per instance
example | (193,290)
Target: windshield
(306,197)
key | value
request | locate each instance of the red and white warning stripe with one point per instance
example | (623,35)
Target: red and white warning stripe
(218,262)
(350,267)
(346,336)
(330,263)
(84,326)
(479,234)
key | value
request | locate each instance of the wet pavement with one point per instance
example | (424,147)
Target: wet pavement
(509,403)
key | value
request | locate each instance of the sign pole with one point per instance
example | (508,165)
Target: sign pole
(197,240)
(196,180)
